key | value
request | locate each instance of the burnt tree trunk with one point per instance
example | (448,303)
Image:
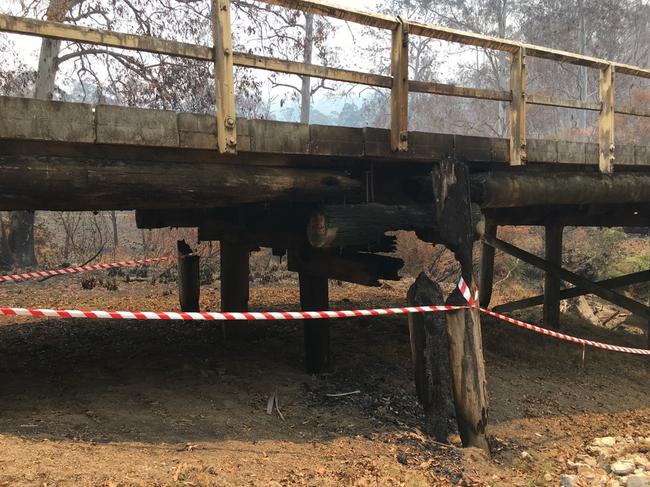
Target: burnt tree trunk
(189,286)
(430,356)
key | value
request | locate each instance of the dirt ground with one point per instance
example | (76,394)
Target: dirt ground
(120,403)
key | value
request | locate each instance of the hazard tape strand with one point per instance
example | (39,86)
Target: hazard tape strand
(465,290)
(222,316)
(77,269)
(473,302)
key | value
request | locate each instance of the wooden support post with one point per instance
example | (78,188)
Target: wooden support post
(430,356)
(234,276)
(486,275)
(468,374)
(314,296)
(399,96)
(553,253)
(606,145)
(224,80)
(518,108)
(189,286)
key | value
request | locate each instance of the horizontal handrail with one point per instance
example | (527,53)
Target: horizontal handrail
(400,28)
(324,8)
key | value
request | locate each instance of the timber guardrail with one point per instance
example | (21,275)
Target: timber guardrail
(224,58)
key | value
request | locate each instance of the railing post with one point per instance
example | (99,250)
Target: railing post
(223,74)
(518,108)
(399,96)
(606,145)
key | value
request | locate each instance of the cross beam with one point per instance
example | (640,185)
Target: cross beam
(594,288)
(574,292)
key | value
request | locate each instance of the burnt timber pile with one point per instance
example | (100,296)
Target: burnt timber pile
(327,197)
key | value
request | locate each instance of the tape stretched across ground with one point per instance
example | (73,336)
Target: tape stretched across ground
(290,315)
(75,270)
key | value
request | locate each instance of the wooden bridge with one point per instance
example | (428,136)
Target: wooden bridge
(327,195)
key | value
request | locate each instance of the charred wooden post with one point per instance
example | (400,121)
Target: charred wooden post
(314,296)
(468,374)
(486,273)
(553,245)
(463,326)
(234,275)
(430,357)
(189,286)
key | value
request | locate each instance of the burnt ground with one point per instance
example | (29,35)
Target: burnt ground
(92,402)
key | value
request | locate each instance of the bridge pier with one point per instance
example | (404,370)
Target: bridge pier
(234,275)
(553,254)
(189,285)
(314,296)
(486,271)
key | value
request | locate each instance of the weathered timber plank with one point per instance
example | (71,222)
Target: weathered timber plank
(279,137)
(421,145)
(197,130)
(642,155)
(541,150)
(336,141)
(135,126)
(26,118)
(571,152)
(481,149)
(624,155)
(50,121)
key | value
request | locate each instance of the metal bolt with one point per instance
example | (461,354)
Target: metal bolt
(230,122)
(403,136)
(612,148)
(227,51)
(231,141)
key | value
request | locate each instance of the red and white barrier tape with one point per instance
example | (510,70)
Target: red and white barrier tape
(473,302)
(74,270)
(562,336)
(221,316)
(297,315)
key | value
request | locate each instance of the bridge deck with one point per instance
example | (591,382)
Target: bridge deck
(82,130)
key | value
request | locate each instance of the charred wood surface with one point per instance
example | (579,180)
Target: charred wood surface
(430,357)
(512,189)
(58,183)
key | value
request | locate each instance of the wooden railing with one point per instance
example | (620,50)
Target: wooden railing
(222,55)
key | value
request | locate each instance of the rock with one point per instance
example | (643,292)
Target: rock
(638,480)
(569,480)
(402,457)
(526,456)
(622,468)
(642,462)
(604,441)
(548,477)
